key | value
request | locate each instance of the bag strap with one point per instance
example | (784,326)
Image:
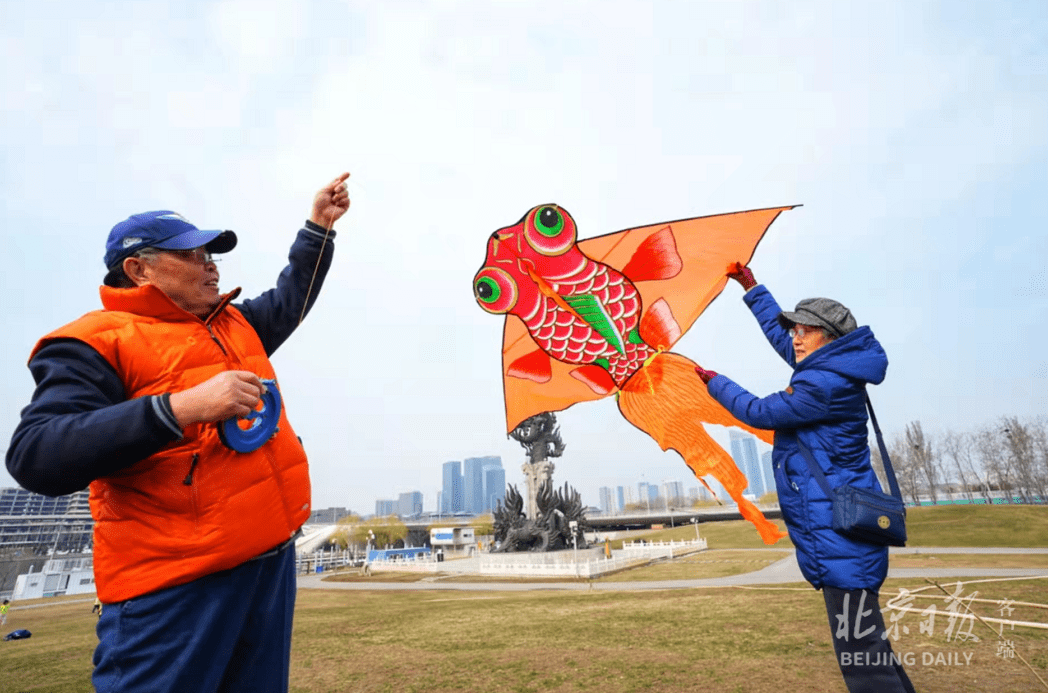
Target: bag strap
(889,471)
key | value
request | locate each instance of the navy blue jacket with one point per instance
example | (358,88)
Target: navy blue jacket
(825,407)
(80,425)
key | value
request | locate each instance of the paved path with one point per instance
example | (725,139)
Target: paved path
(782,571)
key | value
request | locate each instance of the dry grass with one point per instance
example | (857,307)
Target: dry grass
(756,640)
(971,560)
(752,640)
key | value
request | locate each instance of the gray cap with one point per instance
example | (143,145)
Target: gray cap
(820,312)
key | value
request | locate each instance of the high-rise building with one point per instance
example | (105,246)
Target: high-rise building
(474,491)
(607,503)
(494,485)
(769,472)
(34,523)
(673,492)
(385,508)
(620,495)
(409,504)
(451,489)
(744,452)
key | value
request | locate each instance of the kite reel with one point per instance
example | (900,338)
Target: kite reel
(264,423)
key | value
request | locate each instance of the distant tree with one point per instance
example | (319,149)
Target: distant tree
(386,530)
(923,458)
(1022,447)
(991,451)
(344,535)
(959,447)
(483,525)
(906,471)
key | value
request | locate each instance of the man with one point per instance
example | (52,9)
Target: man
(193,542)
(824,409)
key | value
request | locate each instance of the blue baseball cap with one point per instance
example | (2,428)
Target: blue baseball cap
(163,229)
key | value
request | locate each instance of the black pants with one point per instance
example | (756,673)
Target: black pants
(863,653)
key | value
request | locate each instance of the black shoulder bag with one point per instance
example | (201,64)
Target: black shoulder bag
(861,514)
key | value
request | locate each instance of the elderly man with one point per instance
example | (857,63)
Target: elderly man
(193,541)
(824,409)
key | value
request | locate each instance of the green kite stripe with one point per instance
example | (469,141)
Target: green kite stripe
(591,310)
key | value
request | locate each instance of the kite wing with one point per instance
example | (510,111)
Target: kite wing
(674,294)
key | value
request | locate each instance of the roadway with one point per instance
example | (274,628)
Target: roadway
(784,571)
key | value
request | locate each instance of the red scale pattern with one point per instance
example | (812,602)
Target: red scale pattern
(566,338)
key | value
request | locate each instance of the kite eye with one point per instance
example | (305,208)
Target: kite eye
(495,290)
(550,230)
(549,222)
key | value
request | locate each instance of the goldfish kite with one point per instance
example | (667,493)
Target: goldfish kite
(589,319)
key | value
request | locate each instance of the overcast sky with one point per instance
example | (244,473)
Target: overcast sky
(914,134)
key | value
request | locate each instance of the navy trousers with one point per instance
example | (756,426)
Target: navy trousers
(864,655)
(227,632)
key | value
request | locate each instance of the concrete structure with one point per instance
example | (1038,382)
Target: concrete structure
(620,495)
(607,505)
(385,508)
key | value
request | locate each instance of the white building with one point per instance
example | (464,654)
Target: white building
(69,575)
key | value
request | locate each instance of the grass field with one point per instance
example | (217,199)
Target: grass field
(759,640)
(943,525)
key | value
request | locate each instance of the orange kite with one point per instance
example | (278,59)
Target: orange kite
(589,319)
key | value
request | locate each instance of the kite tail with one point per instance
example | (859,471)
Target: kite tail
(668,401)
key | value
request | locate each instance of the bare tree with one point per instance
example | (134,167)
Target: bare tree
(957,447)
(906,472)
(924,458)
(1022,448)
(991,451)
(1039,436)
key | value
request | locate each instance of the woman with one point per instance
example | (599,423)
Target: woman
(824,408)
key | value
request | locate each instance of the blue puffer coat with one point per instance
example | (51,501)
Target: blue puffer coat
(825,407)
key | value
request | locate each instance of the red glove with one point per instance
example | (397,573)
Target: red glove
(705,375)
(742,274)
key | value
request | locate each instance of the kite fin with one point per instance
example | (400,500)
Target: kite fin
(598,379)
(534,366)
(658,327)
(667,401)
(655,258)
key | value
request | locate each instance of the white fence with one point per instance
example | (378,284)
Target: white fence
(662,549)
(410,565)
(587,569)
(325,561)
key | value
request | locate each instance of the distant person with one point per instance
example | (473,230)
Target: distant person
(193,543)
(97,608)
(825,408)
(3,611)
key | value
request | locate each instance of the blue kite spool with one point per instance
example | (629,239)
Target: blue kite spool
(263,425)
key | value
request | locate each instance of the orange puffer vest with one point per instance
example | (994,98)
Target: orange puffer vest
(195,507)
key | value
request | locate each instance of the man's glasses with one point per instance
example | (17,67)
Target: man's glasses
(197,255)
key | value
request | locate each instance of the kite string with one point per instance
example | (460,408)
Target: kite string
(320,256)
